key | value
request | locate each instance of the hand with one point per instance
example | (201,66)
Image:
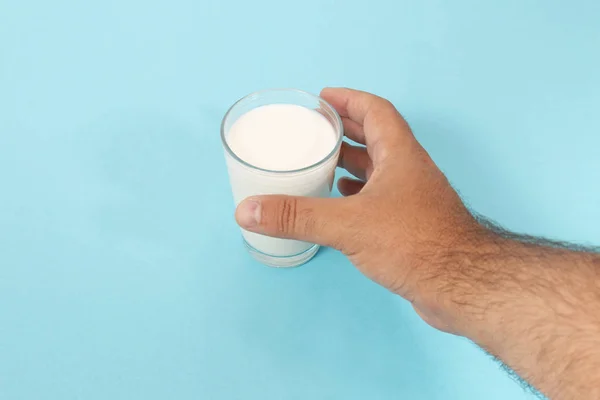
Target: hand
(398,219)
(531,303)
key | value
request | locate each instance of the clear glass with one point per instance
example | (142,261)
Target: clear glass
(248,180)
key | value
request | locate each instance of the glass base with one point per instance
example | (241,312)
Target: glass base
(282,261)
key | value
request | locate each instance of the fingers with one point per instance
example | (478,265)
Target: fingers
(353,130)
(384,128)
(352,104)
(316,220)
(349,187)
(355,160)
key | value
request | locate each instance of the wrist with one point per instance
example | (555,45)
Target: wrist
(460,276)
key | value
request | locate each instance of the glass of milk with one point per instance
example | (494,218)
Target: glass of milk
(281,141)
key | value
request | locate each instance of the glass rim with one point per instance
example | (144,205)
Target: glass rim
(335,149)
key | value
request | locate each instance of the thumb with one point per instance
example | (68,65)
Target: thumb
(310,219)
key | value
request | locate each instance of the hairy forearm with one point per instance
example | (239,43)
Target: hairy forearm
(534,305)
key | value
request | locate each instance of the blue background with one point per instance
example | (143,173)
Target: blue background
(122,274)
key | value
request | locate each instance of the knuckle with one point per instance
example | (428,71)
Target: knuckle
(287,216)
(385,103)
(306,223)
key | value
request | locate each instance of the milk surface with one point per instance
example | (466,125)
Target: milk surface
(281,138)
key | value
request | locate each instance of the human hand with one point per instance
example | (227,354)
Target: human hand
(398,220)
(531,303)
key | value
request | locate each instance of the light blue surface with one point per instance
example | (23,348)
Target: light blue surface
(122,273)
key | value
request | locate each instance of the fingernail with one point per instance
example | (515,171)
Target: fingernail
(248,213)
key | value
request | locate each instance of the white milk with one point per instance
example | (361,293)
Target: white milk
(280,141)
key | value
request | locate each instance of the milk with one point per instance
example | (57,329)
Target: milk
(282,149)
(282,137)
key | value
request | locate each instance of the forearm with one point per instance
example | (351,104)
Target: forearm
(535,307)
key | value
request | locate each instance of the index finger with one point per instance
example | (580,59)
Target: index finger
(383,126)
(350,103)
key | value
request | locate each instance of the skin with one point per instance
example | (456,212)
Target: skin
(533,304)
